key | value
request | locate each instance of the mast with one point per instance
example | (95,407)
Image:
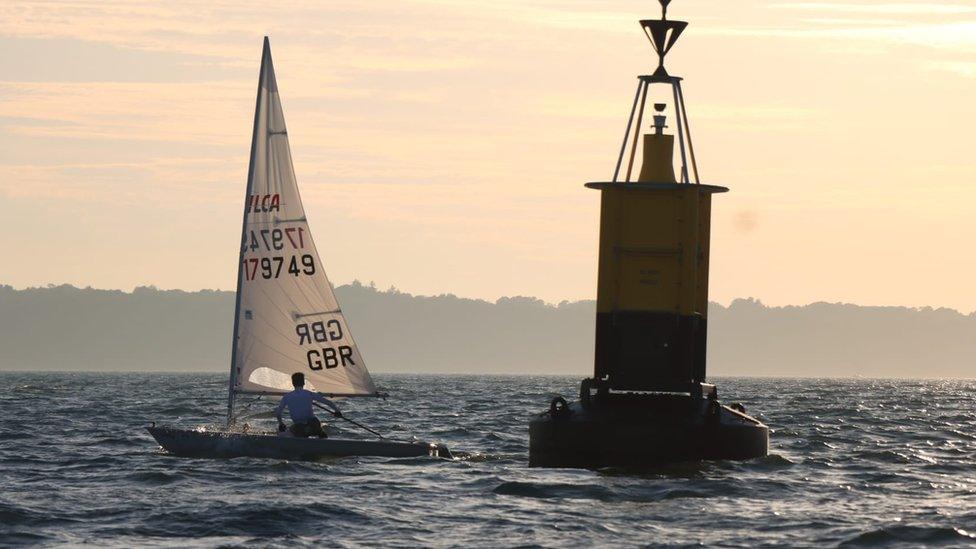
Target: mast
(265,55)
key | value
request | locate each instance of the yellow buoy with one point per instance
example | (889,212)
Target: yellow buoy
(648,400)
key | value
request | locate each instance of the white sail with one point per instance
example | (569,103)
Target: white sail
(288,319)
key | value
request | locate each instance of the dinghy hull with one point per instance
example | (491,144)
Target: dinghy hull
(217,444)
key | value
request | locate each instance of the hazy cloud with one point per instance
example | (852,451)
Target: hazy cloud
(872,8)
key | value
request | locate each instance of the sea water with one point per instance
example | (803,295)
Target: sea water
(852,461)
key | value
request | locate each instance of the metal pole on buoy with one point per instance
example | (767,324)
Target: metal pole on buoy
(648,401)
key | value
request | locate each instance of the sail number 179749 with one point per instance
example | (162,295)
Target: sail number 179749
(274,267)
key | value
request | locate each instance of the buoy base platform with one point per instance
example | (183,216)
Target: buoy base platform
(641,430)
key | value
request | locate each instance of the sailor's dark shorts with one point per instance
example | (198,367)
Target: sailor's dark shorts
(311,428)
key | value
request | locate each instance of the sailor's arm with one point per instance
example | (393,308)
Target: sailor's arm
(318,397)
(280,410)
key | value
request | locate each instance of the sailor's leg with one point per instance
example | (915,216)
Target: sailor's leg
(299,430)
(315,428)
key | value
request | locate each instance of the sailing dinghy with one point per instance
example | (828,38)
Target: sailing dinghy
(286,318)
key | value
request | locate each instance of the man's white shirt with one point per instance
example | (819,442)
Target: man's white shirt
(299,404)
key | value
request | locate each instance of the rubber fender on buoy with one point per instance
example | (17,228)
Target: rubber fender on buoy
(559,407)
(584,396)
(714,407)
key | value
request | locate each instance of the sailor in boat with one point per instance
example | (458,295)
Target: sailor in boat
(299,404)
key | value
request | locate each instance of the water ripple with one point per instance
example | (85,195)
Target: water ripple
(853,463)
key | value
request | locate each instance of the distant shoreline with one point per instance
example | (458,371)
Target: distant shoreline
(63,328)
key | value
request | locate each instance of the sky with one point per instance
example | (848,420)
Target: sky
(442,146)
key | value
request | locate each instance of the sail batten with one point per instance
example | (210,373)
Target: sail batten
(287,318)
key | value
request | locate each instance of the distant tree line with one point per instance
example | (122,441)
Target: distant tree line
(68,328)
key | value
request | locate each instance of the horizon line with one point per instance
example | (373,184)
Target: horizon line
(488,374)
